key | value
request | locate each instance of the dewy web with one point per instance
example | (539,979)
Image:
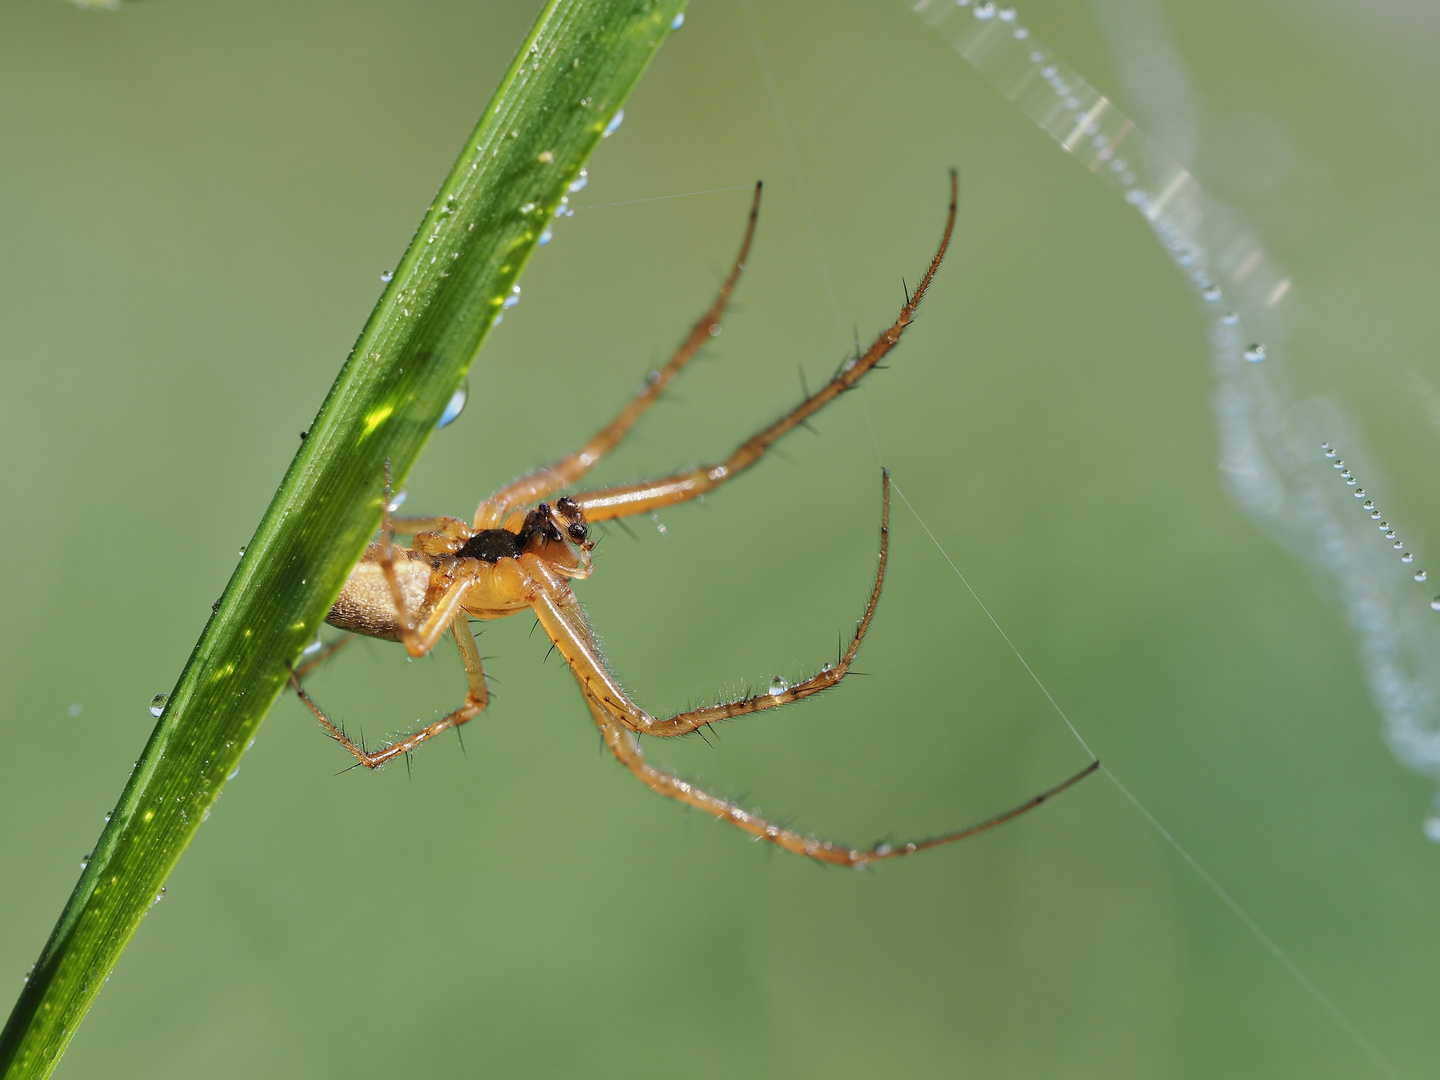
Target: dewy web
(1271,452)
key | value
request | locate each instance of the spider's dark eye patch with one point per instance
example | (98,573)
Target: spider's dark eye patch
(491,545)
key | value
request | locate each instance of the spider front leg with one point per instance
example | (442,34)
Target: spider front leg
(544,482)
(476,698)
(650,495)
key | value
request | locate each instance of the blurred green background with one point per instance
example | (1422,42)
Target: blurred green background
(196,203)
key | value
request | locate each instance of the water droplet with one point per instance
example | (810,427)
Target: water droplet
(455,406)
(1369,505)
(678,21)
(985,11)
(882,849)
(1376,515)
(545,238)
(615,122)
(387,276)
(1359,492)
(513,298)
(1389,534)
(1212,294)
(1432,829)
(1419,575)
(497,320)
(108,815)
(158,703)
(242,552)
(1435,604)
(233,773)
(1036,56)
(1324,446)
(75,708)
(528,208)
(1230,318)
(1255,353)
(1007,14)
(84,861)
(1406,557)
(1021,33)
(578,184)
(1398,544)
(397,501)
(778,686)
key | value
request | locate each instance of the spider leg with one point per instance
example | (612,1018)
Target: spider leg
(572,467)
(476,698)
(325,653)
(412,526)
(626,747)
(559,612)
(695,719)
(642,498)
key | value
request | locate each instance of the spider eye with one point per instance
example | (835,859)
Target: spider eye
(577,532)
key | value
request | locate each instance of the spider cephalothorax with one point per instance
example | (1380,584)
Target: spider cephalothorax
(520,553)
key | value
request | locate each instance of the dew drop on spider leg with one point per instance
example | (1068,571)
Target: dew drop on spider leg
(778,686)
(158,703)
(455,406)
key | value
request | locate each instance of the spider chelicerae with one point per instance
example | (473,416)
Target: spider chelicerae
(520,554)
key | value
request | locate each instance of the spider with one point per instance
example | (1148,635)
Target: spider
(520,553)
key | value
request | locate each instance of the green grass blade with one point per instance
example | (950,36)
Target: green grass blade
(574,70)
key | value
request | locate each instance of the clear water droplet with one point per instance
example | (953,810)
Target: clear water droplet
(1255,353)
(545,238)
(497,320)
(984,11)
(1375,516)
(398,500)
(1345,473)
(1021,33)
(1406,557)
(513,298)
(778,686)
(84,861)
(578,184)
(1230,318)
(678,21)
(883,849)
(108,815)
(1432,829)
(1419,575)
(456,405)
(1007,14)
(158,703)
(387,276)
(1398,544)
(1389,534)
(615,122)
(1369,505)
(233,773)
(1212,294)
(75,709)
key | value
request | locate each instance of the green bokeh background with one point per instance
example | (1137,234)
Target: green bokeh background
(196,201)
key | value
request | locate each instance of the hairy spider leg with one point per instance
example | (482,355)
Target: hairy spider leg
(476,698)
(559,612)
(569,469)
(626,747)
(646,496)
